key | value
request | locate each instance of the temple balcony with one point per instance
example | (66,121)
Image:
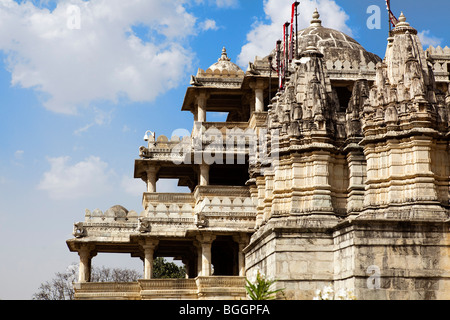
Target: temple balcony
(212,207)
(225,288)
(225,135)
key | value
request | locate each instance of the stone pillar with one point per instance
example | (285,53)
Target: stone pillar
(199,257)
(258,87)
(357,178)
(201,107)
(206,241)
(321,195)
(204,175)
(447,97)
(86,254)
(187,266)
(242,241)
(149,249)
(151,179)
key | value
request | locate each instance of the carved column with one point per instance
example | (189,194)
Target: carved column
(259,87)
(321,198)
(206,241)
(201,106)
(357,178)
(199,257)
(447,97)
(151,179)
(86,253)
(149,249)
(242,241)
(204,175)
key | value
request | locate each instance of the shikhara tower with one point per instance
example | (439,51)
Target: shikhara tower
(353,190)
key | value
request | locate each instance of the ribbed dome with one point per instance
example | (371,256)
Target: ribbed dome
(333,44)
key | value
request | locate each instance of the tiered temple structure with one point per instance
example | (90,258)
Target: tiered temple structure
(340,178)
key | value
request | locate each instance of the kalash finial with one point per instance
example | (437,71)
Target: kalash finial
(402,21)
(316,22)
(224,56)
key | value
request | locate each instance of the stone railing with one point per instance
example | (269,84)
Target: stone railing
(351,70)
(346,65)
(204,134)
(167,213)
(117,220)
(224,207)
(439,51)
(168,204)
(224,126)
(158,289)
(219,73)
(213,207)
(229,191)
(114,214)
(441,59)
(107,291)
(227,288)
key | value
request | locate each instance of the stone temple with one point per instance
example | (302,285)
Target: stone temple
(341,178)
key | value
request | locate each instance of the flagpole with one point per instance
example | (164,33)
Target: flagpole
(296,28)
(388,2)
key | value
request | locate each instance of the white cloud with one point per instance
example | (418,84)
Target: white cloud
(226,3)
(208,24)
(19,154)
(101,118)
(261,39)
(428,40)
(88,178)
(103,59)
(220,3)
(133,186)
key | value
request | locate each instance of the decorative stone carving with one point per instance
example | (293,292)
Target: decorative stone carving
(144,226)
(79,231)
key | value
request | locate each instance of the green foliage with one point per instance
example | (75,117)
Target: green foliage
(260,290)
(163,269)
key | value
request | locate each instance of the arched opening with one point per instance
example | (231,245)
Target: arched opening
(224,256)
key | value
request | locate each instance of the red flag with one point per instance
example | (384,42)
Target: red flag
(392,17)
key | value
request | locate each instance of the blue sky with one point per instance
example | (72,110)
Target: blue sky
(76,100)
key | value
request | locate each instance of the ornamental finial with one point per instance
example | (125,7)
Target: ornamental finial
(316,22)
(224,56)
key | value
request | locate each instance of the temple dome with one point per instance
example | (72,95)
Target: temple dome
(224,63)
(333,44)
(117,212)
